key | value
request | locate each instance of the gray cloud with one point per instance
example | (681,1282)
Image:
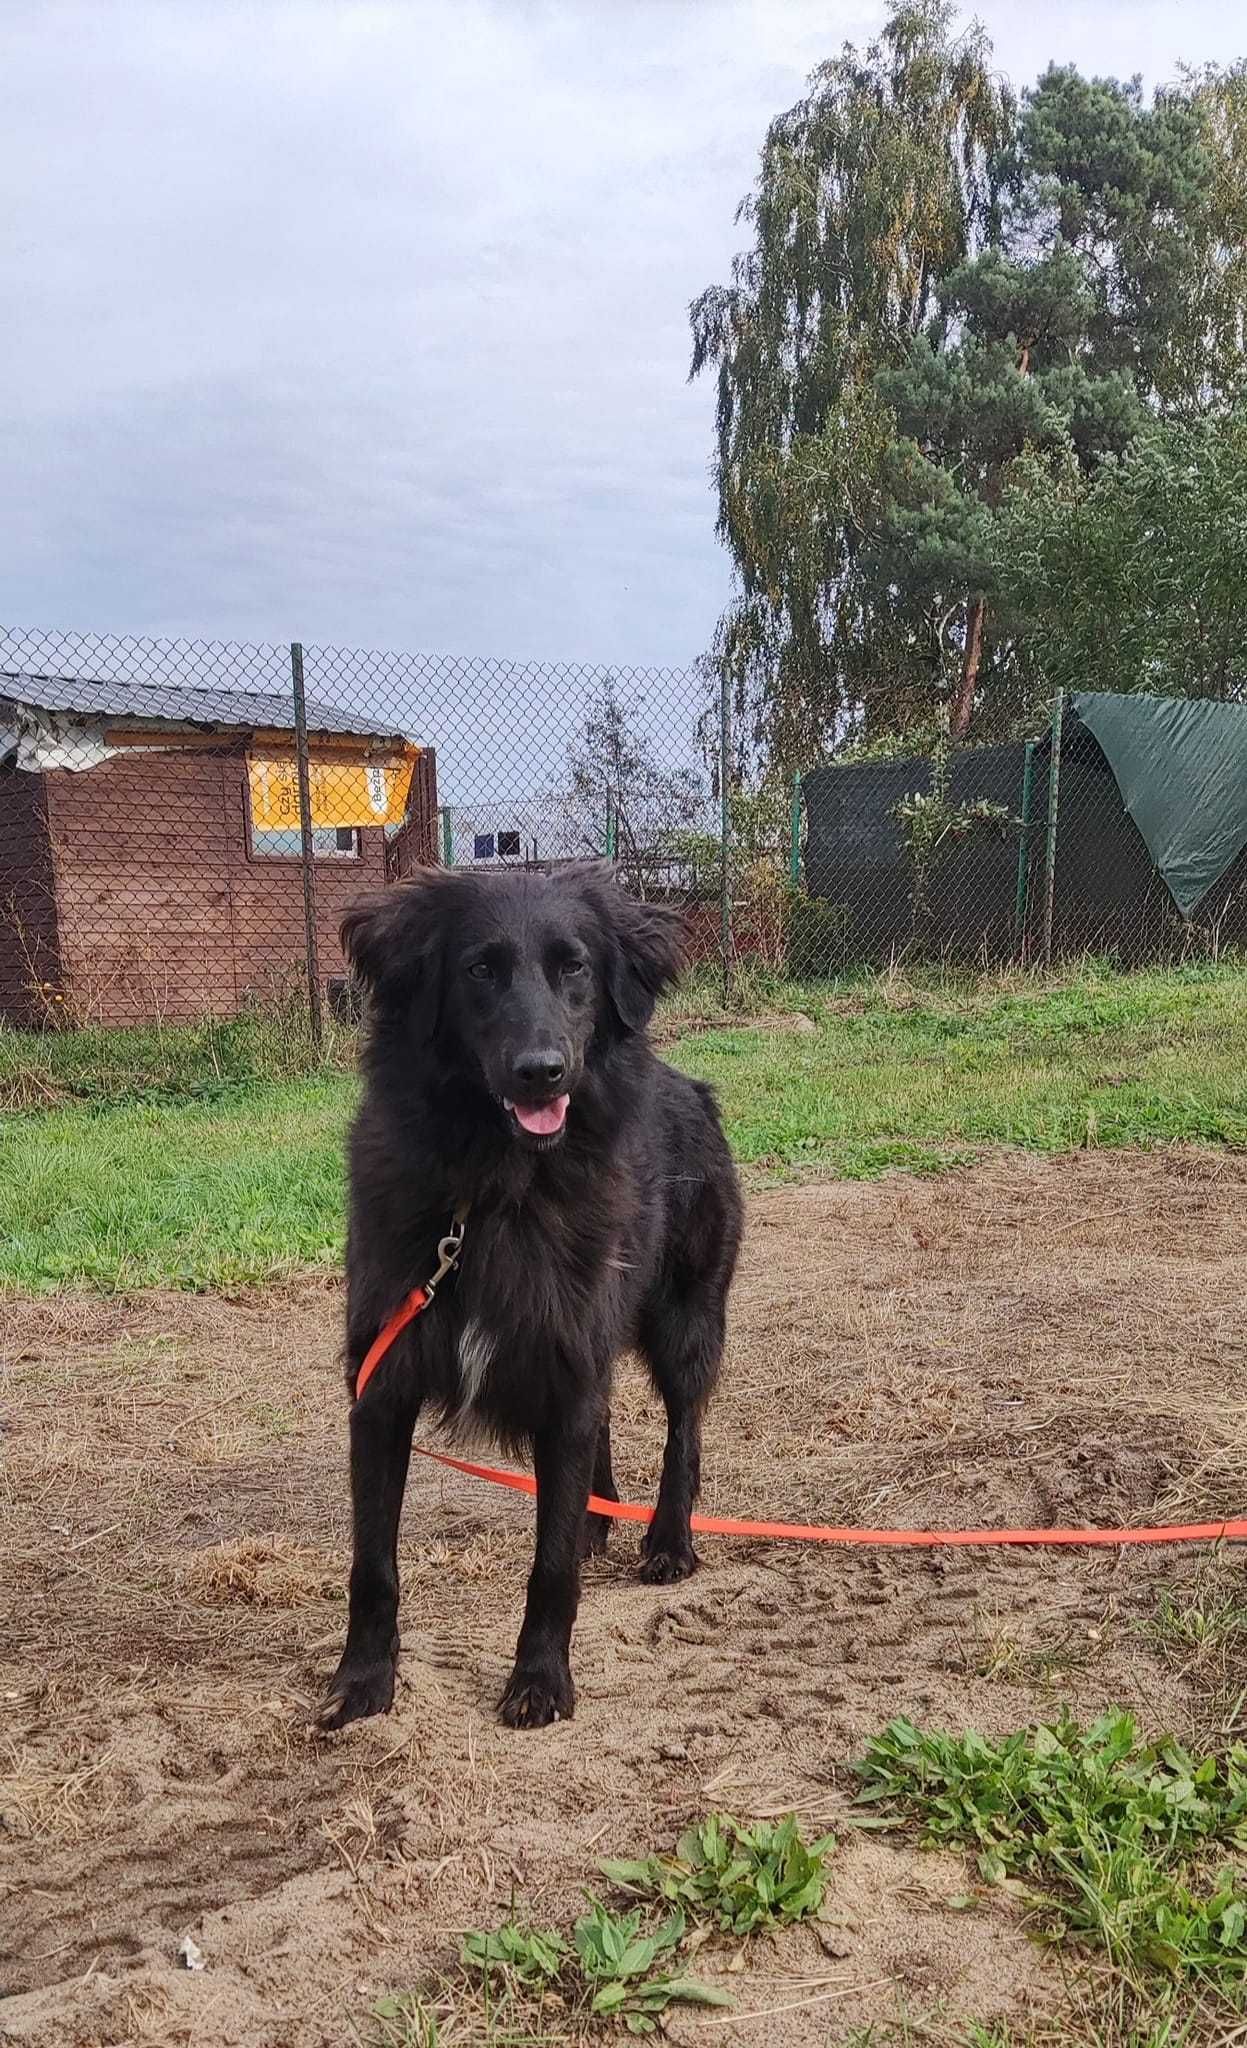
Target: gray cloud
(367,322)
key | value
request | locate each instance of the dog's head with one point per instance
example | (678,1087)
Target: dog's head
(514,980)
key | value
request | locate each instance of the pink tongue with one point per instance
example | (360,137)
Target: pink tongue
(543,1122)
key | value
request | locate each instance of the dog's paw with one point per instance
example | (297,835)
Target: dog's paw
(356,1692)
(535,1698)
(594,1534)
(664,1562)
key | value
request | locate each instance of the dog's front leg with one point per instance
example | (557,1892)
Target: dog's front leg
(540,1689)
(381,1432)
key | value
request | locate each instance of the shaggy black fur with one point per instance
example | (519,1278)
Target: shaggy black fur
(508,1069)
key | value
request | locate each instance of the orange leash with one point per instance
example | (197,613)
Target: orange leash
(417,1301)
(792,1532)
(896,1539)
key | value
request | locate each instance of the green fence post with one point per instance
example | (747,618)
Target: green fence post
(725,836)
(612,828)
(448,837)
(1054,798)
(794,834)
(1019,906)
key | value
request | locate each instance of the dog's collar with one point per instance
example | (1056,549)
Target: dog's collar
(448,1252)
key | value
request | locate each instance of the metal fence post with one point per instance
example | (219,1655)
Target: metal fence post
(306,845)
(794,833)
(1024,839)
(448,837)
(725,835)
(1054,797)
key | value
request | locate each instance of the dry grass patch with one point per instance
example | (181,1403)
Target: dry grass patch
(56,1801)
(262,1571)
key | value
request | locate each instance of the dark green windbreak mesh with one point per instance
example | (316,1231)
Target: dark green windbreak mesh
(1181,767)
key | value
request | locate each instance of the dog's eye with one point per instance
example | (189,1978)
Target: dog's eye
(573,967)
(480,970)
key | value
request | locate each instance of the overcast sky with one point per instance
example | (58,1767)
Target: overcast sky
(367,323)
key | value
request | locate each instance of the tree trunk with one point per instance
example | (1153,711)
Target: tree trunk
(961,710)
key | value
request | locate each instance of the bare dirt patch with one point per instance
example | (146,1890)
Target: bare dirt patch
(1029,1342)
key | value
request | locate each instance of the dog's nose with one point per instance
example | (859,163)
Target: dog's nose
(539,1071)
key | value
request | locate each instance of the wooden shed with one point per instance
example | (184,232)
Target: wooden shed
(150,865)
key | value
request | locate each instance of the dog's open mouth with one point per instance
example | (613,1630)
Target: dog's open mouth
(540,1119)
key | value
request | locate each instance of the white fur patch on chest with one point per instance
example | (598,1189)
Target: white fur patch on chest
(476,1351)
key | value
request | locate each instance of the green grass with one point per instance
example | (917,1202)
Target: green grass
(183,1063)
(212,1157)
(1102,2025)
(616,1966)
(1193,1625)
(1200,1630)
(736,1878)
(1146,1058)
(215,1193)
(1114,1844)
(627,1966)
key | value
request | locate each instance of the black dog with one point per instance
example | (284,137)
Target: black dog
(510,1082)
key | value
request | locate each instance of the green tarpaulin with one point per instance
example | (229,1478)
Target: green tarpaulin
(1181,767)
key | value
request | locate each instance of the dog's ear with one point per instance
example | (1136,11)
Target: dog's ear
(647,953)
(393,944)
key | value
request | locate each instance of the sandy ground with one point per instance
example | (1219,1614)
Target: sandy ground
(1030,1342)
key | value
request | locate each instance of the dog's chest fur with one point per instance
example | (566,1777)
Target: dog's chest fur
(536,1295)
(475,1356)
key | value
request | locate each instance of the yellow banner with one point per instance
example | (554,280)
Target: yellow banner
(343,792)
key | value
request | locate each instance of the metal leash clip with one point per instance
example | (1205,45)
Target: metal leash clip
(448,1251)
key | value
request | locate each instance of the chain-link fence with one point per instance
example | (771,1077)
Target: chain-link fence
(1109,825)
(183,823)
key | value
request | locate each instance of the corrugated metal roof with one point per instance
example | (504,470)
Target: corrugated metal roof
(175,703)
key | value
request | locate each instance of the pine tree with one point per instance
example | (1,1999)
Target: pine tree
(1135,578)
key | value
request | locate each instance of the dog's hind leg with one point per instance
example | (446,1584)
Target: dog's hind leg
(683,1345)
(381,1432)
(597,1528)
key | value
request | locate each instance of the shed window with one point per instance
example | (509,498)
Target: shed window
(483,846)
(508,846)
(329,842)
